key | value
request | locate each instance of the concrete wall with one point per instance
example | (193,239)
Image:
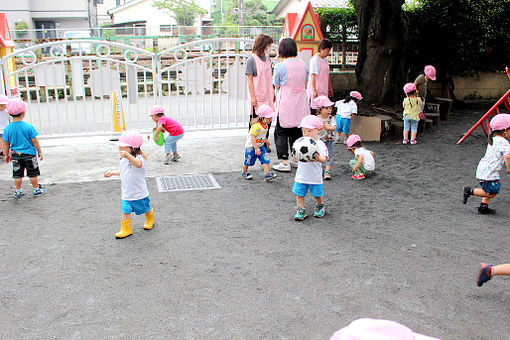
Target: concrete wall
(343,80)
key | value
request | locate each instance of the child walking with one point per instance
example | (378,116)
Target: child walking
(412,107)
(487,172)
(309,174)
(364,163)
(487,271)
(21,138)
(256,141)
(4,118)
(173,127)
(345,109)
(327,131)
(135,195)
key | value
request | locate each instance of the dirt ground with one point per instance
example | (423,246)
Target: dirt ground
(231,263)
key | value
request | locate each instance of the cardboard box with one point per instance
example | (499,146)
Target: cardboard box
(368,128)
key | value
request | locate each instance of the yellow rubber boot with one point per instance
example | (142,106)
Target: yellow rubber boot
(125,229)
(149,220)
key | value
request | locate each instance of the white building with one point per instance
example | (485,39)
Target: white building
(297,6)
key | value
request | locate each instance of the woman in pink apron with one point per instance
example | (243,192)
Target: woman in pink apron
(290,76)
(319,83)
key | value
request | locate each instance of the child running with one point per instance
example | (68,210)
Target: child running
(487,172)
(364,163)
(487,271)
(412,107)
(345,109)
(173,127)
(4,118)
(21,138)
(135,195)
(309,174)
(256,142)
(327,131)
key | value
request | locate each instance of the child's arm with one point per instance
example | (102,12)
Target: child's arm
(35,141)
(507,161)
(111,173)
(360,160)
(319,158)
(135,161)
(373,154)
(7,153)
(255,145)
(158,130)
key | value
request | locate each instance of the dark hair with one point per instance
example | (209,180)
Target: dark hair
(324,44)
(349,98)
(261,41)
(492,133)
(160,114)
(287,48)
(134,152)
(417,98)
(356,145)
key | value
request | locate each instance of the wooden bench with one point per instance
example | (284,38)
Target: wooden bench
(445,105)
(433,116)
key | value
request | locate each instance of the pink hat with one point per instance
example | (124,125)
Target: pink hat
(500,122)
(322,101)
(157,109)
(409,87)
(16,106)
(311,122)
(3,99)
(265,111)
(356,94)
(132,139)
(377,329)
(353,139)
(430,71)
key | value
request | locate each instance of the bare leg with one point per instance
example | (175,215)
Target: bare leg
(35,182)
(300,201)
(265,166)
(245,168)
(126,217)
(502,269)
(328,167)
(17,183)
(320,200)
(406,134)
(413,135)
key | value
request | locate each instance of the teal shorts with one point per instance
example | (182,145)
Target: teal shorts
(139,207)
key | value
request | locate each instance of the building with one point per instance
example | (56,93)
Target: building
(221,7)
(297,6)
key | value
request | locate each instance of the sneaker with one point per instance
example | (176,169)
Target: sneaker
(38,191)
(467,193)
(344,141)
(176,157)
(168,160)
(281,167)
(300,214)
(358,176)
(413,141)
(485,210)
(269,176)
(327,175)
(405,141)
(18,193)
(485,274)
(338,141)
(320,210)
(246,175)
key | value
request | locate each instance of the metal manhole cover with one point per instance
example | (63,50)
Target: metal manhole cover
(187,182)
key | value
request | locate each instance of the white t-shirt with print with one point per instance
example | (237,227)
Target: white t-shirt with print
(324,134)
(311,172)
(368,159)
(133,184)
(4,120)
(489,166)
(346,109)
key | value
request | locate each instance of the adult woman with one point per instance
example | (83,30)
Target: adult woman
(290,76)
(319,83)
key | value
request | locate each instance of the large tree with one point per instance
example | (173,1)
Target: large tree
(183,11)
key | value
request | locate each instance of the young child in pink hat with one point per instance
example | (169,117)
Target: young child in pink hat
(4,118)
(412,107)
(256,142)
(327,132)
(135,195)
(364,163)
(21,138)
(174,129)
(345,108)
(421,82)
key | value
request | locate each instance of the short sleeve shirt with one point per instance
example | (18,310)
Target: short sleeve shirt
(326,135)
(19,135)
(251,65)
(259,131)
(280,74)
(171,125)
(311,172)
(412,107)
(345,110)
(133,184)
(368,159)
(489,166)
(421,85)
(315,64)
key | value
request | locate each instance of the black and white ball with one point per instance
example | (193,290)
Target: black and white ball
(304,149)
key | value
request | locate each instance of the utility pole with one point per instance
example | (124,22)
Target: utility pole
(241,16)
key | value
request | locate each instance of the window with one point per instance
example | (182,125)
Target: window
(117,2)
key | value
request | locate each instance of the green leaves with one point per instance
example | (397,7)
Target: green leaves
(183,11)
(337,19)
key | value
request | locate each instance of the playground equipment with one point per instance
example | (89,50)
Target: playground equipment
(7,47)
(494,110)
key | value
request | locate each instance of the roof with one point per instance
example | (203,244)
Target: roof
(294,21)
(124,6)
(315,4)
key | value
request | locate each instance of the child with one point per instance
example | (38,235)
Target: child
(135,195)
(364,163)
(327,131)
(487,172)
(21,138)
(255,142)
(487,271)
(319,83)
(4,118)
(346,108)
(412,108)
(174,129)
(309,174)
(421,82)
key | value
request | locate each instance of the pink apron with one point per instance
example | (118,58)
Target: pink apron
(321,81)
(263,83)
(293,102)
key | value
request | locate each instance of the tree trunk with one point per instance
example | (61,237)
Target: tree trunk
(380,67)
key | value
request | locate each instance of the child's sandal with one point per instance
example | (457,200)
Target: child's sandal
(405,141)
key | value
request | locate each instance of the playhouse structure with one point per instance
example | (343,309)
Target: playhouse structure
(6,47)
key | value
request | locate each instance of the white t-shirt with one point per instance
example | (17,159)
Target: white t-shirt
(132,179)
(368,159)
(315,64)
(489,166)
(259,131)
(324,134)
(311,172)
(346,109)
(4,120)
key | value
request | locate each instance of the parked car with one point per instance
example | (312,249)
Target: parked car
(77,47)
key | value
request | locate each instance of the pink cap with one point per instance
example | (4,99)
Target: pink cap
(353,139)
(370,329)
(323,101)
(430,71)
(132,139)
(157,109)
(311,122)
(356,94)
(16,106)
(3,99)
(409,87)
(500,122)
(265,111)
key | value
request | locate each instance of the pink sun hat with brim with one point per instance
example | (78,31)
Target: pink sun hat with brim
(409,87)
(500,122)
(16,106)
(356,94)
(377,329)
(311,122)
(265,111)
(3,99)
(131,139)
(322,101)
(430,71)
(353,139)
(157,109)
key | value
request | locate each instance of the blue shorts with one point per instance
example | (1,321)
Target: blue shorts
(301,189)
(141,206)
(490,187)
(410,124)
(250,157)
(343,124)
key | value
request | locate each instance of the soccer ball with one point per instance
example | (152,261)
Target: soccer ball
(304,149)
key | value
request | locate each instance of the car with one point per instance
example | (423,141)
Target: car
(79,47)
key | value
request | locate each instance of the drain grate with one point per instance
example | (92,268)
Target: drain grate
(187,182)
